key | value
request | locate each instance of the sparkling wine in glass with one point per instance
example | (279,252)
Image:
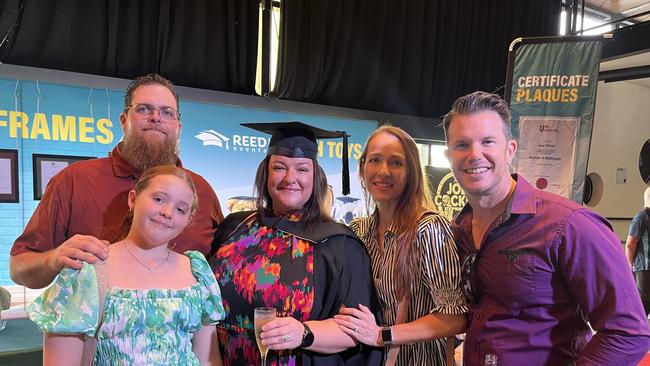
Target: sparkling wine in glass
(262,316)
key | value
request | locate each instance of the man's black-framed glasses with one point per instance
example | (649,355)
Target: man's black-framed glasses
(468,279)
(144,110)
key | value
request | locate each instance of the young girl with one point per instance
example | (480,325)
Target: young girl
(159,306)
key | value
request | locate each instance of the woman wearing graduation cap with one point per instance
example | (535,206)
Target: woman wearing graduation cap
(291,256)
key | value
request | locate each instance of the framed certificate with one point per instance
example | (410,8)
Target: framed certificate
(46,166)
(8,176)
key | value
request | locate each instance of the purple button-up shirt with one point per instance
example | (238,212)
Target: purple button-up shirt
(545,268)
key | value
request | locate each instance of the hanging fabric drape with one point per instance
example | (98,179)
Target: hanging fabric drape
(410,57)
(209,44)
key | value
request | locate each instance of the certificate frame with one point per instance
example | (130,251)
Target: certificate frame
(9,177)
(47,165)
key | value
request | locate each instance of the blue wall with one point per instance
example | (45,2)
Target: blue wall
(38,118)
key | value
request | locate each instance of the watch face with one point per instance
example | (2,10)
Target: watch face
(307,337)
(386,335)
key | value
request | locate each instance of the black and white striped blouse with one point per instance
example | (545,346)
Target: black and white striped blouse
(437,288)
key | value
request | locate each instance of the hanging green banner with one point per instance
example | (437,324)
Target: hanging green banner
(552,99)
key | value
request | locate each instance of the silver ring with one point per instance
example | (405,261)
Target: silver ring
(285,338)
(356,329)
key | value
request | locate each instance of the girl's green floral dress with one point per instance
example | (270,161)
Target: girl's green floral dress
(140,327)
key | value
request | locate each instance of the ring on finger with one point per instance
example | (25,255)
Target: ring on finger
(285,338)
(356,329)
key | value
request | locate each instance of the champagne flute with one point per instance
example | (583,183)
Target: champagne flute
(262,316)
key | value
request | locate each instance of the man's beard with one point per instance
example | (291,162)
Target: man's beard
(143,154)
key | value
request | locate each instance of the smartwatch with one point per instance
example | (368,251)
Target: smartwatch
(307,337)
(387,336)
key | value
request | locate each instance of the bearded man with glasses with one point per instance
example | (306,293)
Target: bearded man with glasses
(537,268)
(83,206)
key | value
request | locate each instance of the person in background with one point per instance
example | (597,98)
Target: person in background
(536,266)
(159,306)
(291,256)
(82,205)
(637,249)
(414,259)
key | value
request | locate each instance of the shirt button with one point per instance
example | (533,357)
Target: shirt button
(477,316)
(475,349)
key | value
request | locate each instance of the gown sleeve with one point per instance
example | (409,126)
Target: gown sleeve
(70,305)
(213,311)
(343,276)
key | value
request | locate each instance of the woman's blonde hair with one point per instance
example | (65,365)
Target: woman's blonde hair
(414,200)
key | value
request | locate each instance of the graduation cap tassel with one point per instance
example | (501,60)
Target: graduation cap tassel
(346,166)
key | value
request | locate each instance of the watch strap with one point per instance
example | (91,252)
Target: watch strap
(307,337)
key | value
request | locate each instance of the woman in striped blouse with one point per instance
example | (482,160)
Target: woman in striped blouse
(414,261)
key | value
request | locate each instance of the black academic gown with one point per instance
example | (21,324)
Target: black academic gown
(342,276)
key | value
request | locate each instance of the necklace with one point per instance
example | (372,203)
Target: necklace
(149,269)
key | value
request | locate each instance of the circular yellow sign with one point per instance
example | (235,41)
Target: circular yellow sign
(449,198)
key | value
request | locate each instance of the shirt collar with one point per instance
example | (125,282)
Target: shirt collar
(522,201)
(373,222)
(293,216)
(122,168)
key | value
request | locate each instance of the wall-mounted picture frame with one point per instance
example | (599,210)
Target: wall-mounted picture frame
(9,176)
(46,166)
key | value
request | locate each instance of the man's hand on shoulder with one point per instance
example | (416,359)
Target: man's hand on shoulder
(38,269)
(76,249)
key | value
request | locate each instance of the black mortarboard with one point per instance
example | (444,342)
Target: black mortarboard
(298,140)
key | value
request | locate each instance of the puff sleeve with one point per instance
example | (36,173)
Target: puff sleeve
(70,305)
(213,311)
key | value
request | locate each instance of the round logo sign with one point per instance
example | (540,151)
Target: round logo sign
(449,197)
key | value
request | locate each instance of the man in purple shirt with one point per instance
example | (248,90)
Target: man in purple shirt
(536,267)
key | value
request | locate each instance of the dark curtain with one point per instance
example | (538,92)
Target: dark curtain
(411,57)
(209,44)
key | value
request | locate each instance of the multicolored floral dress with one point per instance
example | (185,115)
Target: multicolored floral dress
(261,266)
(140,327)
